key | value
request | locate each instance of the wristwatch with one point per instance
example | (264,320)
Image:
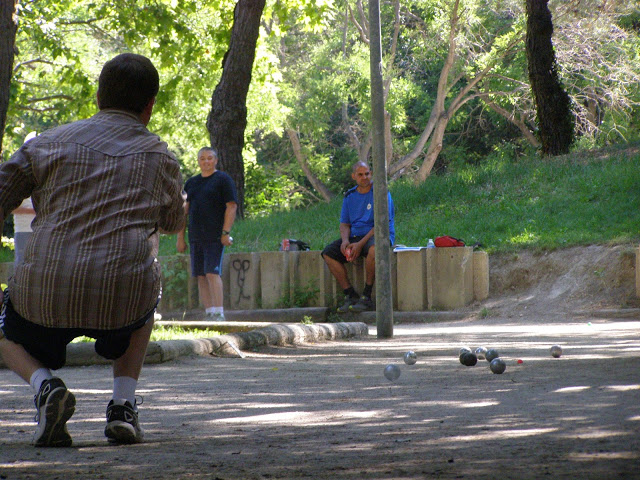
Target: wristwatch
(225,232)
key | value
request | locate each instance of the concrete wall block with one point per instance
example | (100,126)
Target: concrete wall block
(305,274)
(480,275)
(356,273)
(274,281)
(243,281)
(412,280)
(449,277)
(394,279)
(226,280)
(327,286)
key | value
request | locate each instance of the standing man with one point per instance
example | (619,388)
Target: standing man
(357,240)
(103,188)
(211,207)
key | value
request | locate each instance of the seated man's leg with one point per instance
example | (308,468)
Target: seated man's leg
(365,302)
(335,261)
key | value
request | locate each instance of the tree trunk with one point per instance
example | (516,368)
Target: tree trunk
(320,187)
(228,117)
(8,26)
(438,108)
(553,106)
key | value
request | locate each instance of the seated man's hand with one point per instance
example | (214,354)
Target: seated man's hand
(354,249)
(343,248)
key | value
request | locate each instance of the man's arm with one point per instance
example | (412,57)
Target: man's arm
(356,248)
(181,245)
(229,218)
(345,233)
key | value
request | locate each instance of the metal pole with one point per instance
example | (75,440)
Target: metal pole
(384,299)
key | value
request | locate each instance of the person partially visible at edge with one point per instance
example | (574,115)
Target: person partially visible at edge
(22,218)
(211,207)
(357,240)
(103,188)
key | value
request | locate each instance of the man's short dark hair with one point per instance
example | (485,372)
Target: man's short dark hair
(128,82)
(208,149)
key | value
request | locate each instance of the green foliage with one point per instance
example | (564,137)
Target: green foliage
(6,250)
(311,74)
(267,190)
(175,280)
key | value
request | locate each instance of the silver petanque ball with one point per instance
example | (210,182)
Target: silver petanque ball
(556,351)
(464,350)
(481,352)
(497,365)
(410,358)
(491,354)
(392,372)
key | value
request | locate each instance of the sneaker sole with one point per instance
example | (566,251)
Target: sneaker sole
(118,431)
(58,409)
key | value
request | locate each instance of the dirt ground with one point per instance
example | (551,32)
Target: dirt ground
(326,411)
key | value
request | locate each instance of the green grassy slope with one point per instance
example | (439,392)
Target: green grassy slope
(579,199)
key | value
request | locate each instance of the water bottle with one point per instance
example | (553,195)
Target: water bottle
(430,244)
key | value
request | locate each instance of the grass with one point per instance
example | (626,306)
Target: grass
(160,332)
(578,199)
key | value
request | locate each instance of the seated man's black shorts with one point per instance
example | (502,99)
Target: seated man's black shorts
(333,249)
(49,344)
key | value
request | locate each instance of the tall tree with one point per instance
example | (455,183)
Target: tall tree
(555,120)
(8,27)
(228,117)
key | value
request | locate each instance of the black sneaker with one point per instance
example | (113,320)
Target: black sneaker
(122,423)
(365,304)
(348,301)
(55,405)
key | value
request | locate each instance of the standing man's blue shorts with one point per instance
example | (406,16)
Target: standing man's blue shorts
(206,258)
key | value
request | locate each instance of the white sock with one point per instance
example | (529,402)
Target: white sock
(124,388)
(39,377)
(215,310)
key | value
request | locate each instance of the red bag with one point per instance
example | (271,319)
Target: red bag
(447,241)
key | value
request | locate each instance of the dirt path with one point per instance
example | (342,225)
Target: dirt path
(326,411)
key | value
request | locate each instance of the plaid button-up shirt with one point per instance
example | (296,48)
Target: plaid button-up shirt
(101,188)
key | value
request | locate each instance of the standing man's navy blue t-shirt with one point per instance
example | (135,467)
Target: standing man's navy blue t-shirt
(208,197)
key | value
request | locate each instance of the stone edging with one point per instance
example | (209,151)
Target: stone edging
(229,345)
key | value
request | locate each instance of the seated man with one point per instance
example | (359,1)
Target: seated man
(103,188)
(356,240)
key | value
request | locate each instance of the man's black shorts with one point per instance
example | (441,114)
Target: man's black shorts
(49,344)
(333,249)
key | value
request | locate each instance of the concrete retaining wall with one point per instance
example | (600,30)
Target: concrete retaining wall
(438,278)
